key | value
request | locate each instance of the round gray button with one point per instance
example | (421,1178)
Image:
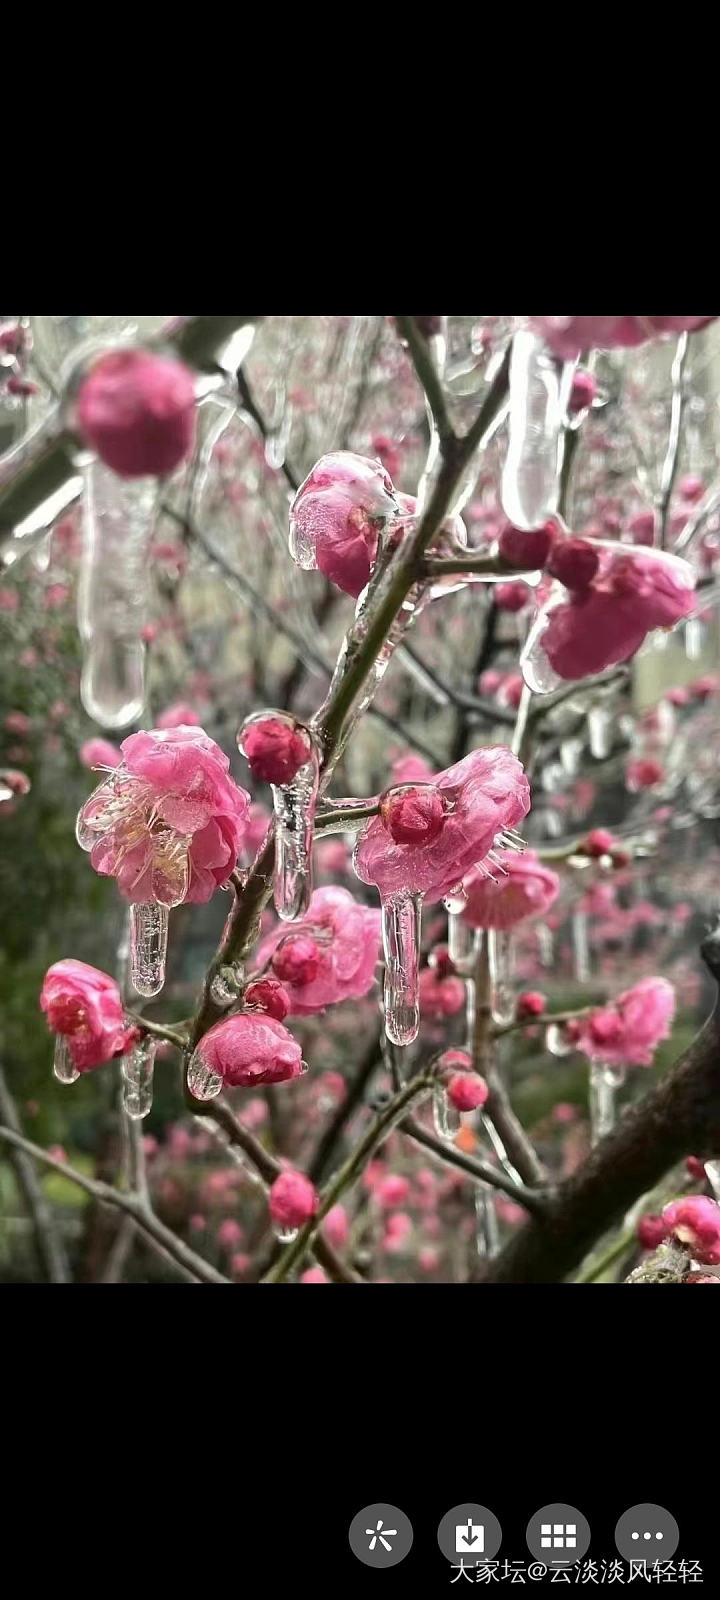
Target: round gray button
(647,1533)
(468,1534)
(558,1535)
(381,1535)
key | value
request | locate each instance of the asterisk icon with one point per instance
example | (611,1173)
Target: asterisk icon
(375,1534)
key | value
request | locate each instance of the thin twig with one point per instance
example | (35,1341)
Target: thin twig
(49,1245)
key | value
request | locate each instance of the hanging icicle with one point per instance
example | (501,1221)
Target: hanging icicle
(401,920)
(604,1084)
(148,947)
(137,1069)
(531,476)
(118,519)
(286,754)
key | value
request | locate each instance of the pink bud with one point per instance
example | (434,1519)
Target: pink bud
(651,1230)
(642,527)
(413,816)
(392,1191)
(275,750)
(336,1227)
(293,1200)
(267,995)
(526,549)
(100,753)
(598,843)
(467,1091)
(314,1275)
(583,392)
(531,1004)
(511,596)
(691,487)
(455,1058)
(574,563)
(297,961)
(137,411)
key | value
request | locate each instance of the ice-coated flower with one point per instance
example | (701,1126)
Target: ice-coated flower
(85,1005)
(695,1222)
(293,1200)
(481,796)
(467,1091)
(100,753)
(136,410)
(441,995)
(275,749)
(270,996)
(626,1032)
(607,621)
(296,961)
(346,940)
(520,887)
(337,516)
(413,814)
(569,336)
(168,822)
(574,562)
(526,549)
(247,1051)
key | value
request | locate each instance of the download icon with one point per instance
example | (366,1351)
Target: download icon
(470,1539)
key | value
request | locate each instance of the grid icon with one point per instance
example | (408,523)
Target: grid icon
(558,1536)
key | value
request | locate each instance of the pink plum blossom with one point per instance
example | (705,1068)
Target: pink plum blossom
(337,516)
(179,715)
(100,753)
(607,621)
(168,823)
(137,411)
(293,1200)
(569,336)
(520,887)
(441,995)
(248,1050)
(481,796)
(695,1222)
(345,937)
(626,1032)
(85,1005)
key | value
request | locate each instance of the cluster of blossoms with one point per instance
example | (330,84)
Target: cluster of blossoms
(627,1032)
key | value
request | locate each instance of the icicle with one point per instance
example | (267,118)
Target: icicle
(530,482)
(202,1083)
(118,517)
(546,944)
(294,804)
(604,1083)
(557,1041)
(581,947)
(226,985)
(63,1065)
(570,756)
(401,917)
(462,943)
(138,1067)
(601,723)
(501,958)
(539,676)
(446,1119)
(286,1235)
(148,947)
(488,1233)
(694,638)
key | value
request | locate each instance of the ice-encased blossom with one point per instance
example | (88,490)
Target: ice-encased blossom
(607,621)
(482,795)
(85,1006)
(169,821)
(337,516)
(567,337)
(248,1050)
(695,1222)
(346,936)
(520,887)
(626,1032)
(137,411)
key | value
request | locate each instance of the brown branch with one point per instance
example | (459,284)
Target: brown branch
(682,1114)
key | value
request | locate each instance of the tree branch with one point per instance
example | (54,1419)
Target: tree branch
(49,1245)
